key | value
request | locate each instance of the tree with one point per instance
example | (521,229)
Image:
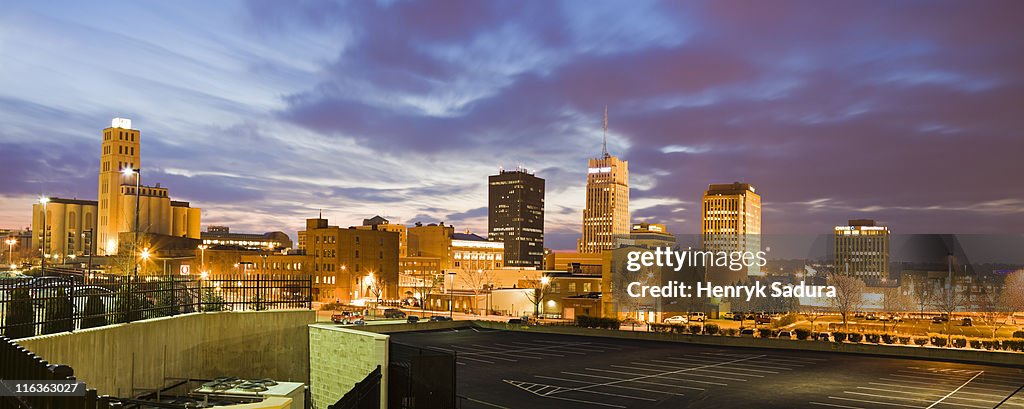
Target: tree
(20,316)
(425,285)
(1011,296)
(213,301)
(539,287)
(477,281)
(812,314)
(849,296)
(947,300)
(95,312)
(922,294)
(621,279)
(57,313)
(127,304)
(894,302)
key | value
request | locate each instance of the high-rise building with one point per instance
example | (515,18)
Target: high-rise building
(862,250)
(731,220)
(606,213)
(515,216)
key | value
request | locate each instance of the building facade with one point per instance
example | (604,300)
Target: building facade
(515,216)
(862,250)
(222,235)
(352,264)
(70,227)
(472,252)
(731,221)
(607,207)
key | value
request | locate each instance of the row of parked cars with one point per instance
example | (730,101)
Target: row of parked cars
(357,318)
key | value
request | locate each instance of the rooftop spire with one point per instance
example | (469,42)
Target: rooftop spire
(604,143)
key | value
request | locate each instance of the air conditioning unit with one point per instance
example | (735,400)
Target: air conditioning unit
(267,388)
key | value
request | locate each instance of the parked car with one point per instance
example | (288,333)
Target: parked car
(823,336)
(393,313)
(939,319)
(360,322)
(747,332)
(763,319)
(729,315)
(858,314)
(631,322)
(696,316)
(676,320)
(871,316)
(346,317)
(412,319)
(440,318)
(739,316)
(515,321)
(967,322)
(785,334)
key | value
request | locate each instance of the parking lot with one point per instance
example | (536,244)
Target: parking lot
(510,369)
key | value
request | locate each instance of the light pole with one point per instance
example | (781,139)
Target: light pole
(42,266)
(544,281)
(138,178)
(451,296)
(10,250)
(144,255)
(202,257)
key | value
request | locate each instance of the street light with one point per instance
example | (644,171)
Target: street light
(128,171)
(10,250)
(144,255)
(202,255)
(451,296)
(43,200)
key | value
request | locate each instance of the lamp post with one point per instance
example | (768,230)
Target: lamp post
(544,281)
(10,250)
(451,296)
(42,266)
(202,257)
(138,178)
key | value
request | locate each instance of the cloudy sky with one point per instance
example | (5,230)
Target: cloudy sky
(261,113)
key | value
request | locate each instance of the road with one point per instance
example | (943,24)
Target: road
(506,369)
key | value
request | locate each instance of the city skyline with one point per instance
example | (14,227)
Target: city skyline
(253,136)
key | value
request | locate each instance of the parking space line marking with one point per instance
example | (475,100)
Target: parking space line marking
(871,401)
(928,393)
(645,382)
(664,377)
(955,390)
(553,348)
(912,399)
(775,357)
(678,365)
(688,374)
(835,406)
(932,389)
(666,373)
(933,383)
(475,359)
(519,384)
(614,386)
(669,359)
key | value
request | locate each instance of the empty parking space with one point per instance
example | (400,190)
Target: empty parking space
(512,369)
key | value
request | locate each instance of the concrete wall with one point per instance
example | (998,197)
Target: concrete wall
(118,359)
(340,357)
(915,352)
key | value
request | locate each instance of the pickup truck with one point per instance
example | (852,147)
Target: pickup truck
(346,317)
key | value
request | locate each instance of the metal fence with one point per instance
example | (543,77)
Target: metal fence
(53,304)
(365,395)
(420,378)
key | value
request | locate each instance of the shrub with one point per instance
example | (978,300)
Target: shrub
(990,344)
(959,342)
(730,332)
(212,301)
(839,336)
(889,338)
(873,338)
(920,341)
(711,329)
(976,344)
(802,334)
(19,316)
(764,332)
(695,329)
(855,337)
(1013,344)
(597,322)
(57,313)
(787,320)
(938,340)
(94,312)
(1018,334)
(904,340)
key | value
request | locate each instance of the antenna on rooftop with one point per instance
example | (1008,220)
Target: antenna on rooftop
(604,144)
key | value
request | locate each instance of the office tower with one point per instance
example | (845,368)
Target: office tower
(606,212)
(731,220)
(862,250)
(515,216)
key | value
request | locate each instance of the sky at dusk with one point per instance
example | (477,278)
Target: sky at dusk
(263,112)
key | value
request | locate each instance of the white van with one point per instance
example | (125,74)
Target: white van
(696,316)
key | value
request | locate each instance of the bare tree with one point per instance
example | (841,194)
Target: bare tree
(947,300)
(991,309)
(1011,296)
(375,286)
(425,285)
(620,282)
(921,293)
(849,295)
(812,314)
(539,287)
(477,281)
(894,303)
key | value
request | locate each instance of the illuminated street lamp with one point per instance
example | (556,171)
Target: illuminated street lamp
(128,171)
(144,255)
(10,250)
(202,255)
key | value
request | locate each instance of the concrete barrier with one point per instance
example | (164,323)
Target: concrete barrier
(419,326)
(1002,358)
(124,358)
(342,356)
